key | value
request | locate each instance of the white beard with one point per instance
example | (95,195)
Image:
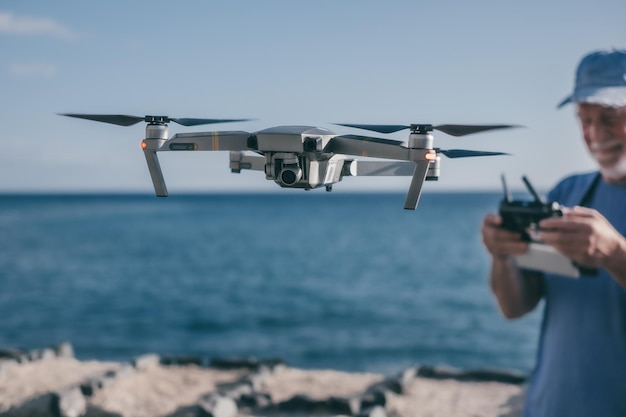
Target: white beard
(616,171)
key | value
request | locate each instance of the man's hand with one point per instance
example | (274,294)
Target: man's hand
(517,292)
(582,235)
(501,243)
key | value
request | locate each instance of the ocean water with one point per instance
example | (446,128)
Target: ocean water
(321,280)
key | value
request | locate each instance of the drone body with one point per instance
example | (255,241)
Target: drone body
(305,157)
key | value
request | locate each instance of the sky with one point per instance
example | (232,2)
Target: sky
(291,63)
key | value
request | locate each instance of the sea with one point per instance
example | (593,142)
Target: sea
(350,282)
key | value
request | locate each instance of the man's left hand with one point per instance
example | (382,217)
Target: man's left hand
(582,235)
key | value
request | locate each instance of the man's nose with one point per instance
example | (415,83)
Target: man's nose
(598,132)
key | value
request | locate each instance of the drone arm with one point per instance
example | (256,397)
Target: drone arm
(379,168)
(415,189)
(239,161)
(417,169)
(207,141)
(369,147)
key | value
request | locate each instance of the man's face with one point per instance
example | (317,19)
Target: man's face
(604,131)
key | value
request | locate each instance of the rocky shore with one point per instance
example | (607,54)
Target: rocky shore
(52,382)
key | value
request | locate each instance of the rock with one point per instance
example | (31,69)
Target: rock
(93,384)
(182,360)
(372,399)
(377,411)
(308,406)
(439,372)
(145,361)
(98,412)
(123,371)
(250,363)
(31,390)
(41,354)
(5,365)
(70,403)
(506,376)
(298,402)
(405,378)
(66,403)
(216,405)
(64,350)
(189,411)
(254,400)
(341,405)
(15,354)
(397,384)
(235,390)
(480,375)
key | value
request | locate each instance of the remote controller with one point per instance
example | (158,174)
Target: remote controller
(524,216)
(521,216)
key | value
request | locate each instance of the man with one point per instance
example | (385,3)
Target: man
(581,359)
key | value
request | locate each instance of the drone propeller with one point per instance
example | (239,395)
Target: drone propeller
(124,120)
(453,130)
(465,153)
(393,149)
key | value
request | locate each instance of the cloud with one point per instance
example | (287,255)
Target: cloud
(29,26)
(33,69)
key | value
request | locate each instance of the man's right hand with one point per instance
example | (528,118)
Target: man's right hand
(516,296)
(501,243)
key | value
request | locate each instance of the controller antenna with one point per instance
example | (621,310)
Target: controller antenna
(507,193)
(532,190)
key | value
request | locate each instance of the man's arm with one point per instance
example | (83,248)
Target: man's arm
(517,292)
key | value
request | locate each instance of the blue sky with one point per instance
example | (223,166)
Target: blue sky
(289,62)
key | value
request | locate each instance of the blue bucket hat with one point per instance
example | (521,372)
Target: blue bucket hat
(600,79)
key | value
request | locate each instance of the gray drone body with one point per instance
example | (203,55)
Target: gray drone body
(301,156)
(304,157)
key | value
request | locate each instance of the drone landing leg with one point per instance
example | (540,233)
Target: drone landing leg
(155,173)
(415,189)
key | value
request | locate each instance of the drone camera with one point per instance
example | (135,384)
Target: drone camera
(290,174)
(521,216)
(286,169)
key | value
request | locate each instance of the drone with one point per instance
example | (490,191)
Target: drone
(306,157)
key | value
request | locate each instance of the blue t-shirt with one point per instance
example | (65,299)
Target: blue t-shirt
(581,360)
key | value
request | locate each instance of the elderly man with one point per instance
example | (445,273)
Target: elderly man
(581,359)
